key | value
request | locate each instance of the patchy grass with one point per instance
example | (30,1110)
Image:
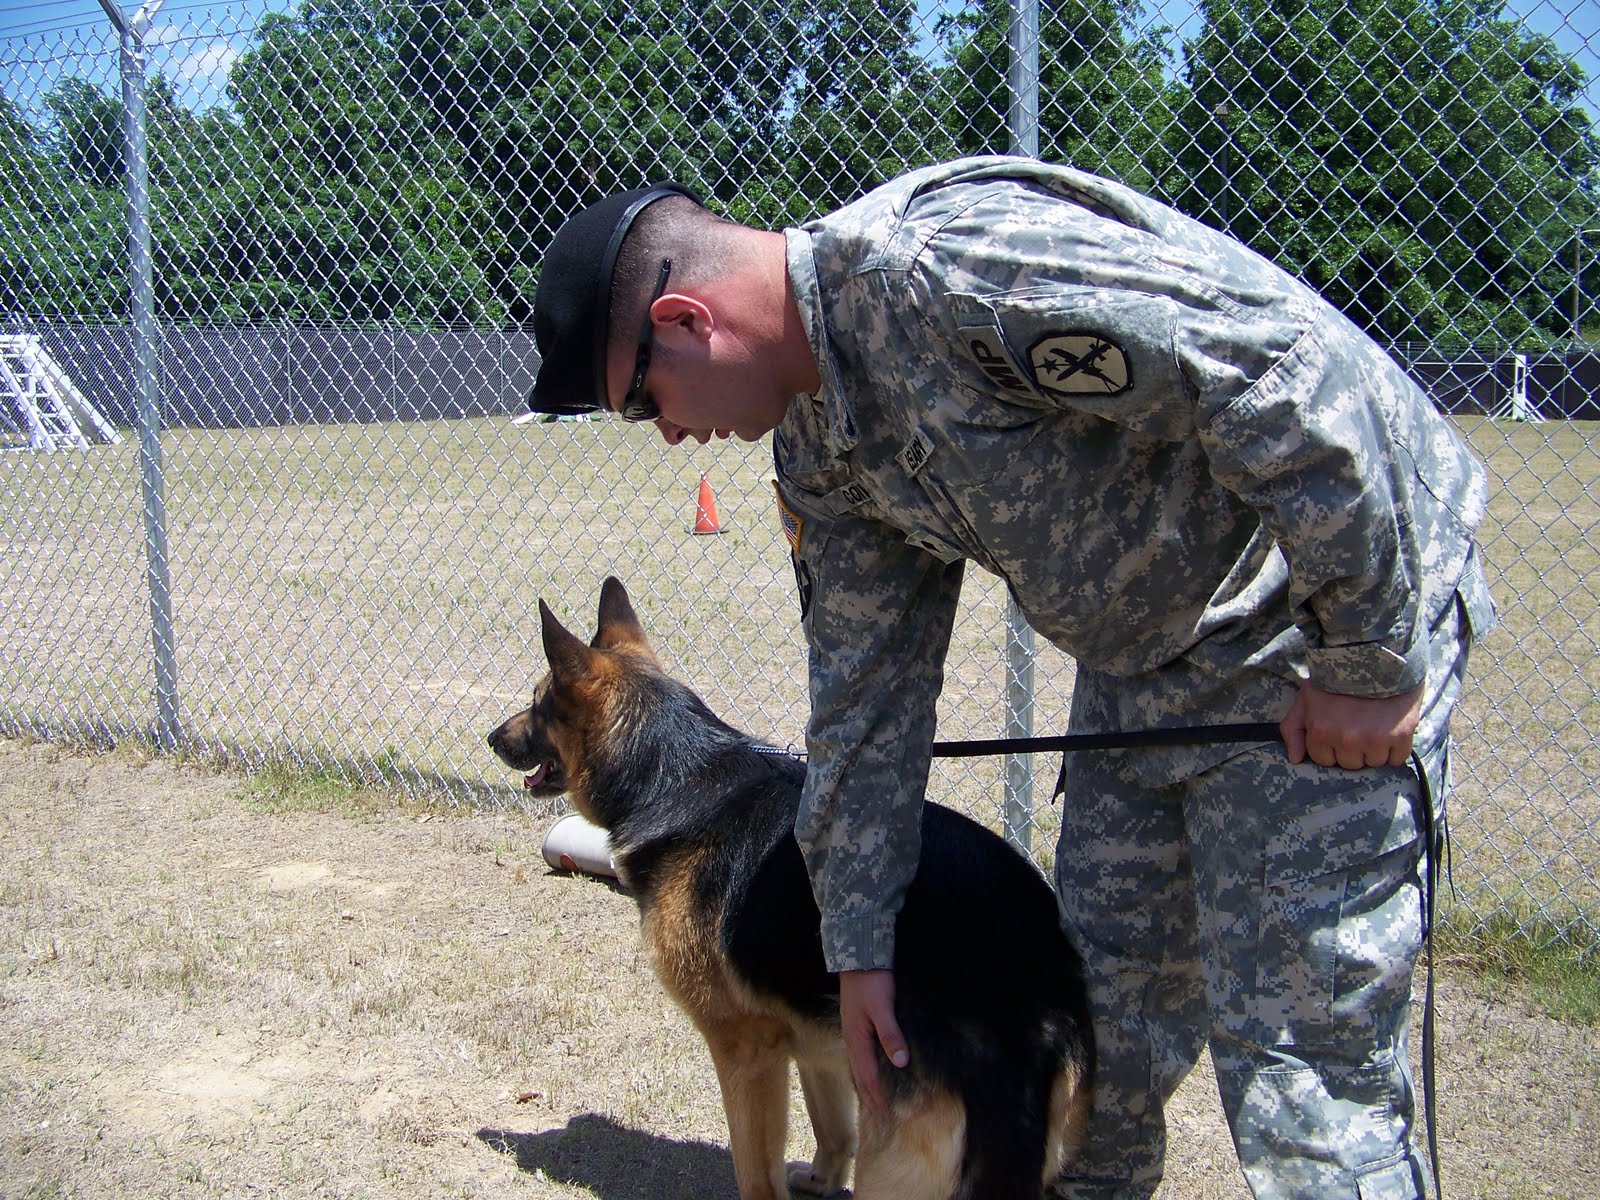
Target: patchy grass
(278,789)
(1557,967)
(219,986)
(360,601)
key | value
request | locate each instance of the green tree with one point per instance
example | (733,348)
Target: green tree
(866,108)
(341,203)
(556,103)
(1105,102)
(62,225)
(88,133)
(1420,161)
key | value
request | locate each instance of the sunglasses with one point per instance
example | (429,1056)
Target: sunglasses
(636,406)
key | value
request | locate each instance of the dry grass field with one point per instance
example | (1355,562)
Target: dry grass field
(349,973)
(363,599)
(216,986)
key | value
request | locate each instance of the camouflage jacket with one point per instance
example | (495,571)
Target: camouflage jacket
(1194,475)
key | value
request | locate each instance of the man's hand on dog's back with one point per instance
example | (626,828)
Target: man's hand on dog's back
(866,1012)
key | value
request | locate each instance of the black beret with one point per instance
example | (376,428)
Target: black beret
(572,308)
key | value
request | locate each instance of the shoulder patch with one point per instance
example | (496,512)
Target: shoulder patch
(1079,364)
(794,525)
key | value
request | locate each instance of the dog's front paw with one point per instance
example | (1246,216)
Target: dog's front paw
(808,1181)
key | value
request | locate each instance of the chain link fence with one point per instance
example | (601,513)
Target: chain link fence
(264,281)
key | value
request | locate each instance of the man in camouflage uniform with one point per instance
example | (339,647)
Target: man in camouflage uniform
(1197,478)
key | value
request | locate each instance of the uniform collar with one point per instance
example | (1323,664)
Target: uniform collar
(838,416)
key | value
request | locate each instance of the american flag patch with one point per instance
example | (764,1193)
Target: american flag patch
(793,526)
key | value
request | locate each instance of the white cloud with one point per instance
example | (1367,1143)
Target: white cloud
(197,66)
(212,63)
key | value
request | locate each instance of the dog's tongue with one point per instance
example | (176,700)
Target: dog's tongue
(534,780)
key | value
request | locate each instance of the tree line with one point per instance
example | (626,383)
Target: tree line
(1425,163)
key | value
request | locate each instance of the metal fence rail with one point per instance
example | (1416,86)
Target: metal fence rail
(292,255)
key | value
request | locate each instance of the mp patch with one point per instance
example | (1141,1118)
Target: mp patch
(1080,364)
(987,349)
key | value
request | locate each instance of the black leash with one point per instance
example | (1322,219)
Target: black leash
(1436,840)
(1262,731)
(1203,735)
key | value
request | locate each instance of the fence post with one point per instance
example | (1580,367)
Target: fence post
(1022,122)
(1022,78)
(168,731)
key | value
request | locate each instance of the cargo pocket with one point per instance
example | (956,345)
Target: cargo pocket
(1341,914)
(1401,1180)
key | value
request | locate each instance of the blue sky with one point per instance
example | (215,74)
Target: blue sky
(32,16)
(194,42)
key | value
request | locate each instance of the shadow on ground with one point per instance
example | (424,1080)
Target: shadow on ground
(618,1163)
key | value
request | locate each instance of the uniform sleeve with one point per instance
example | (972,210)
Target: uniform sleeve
(1310,444)
(877,614)
(1175,332)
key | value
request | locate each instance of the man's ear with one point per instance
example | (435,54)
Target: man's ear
(675,314)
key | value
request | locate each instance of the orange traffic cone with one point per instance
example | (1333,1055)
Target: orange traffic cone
(705,510)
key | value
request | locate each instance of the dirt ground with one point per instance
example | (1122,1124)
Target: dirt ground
(202,994)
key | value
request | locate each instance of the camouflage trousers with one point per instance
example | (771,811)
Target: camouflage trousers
(1275,912)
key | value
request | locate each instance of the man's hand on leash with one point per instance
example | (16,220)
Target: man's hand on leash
(866,1012)
(1350,731)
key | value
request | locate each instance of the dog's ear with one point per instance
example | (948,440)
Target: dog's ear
(569,658)
(619,626)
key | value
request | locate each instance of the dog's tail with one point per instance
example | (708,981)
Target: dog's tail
(1024,1111)
(1004,1155)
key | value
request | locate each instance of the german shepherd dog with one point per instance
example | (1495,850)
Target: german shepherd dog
(988,990)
